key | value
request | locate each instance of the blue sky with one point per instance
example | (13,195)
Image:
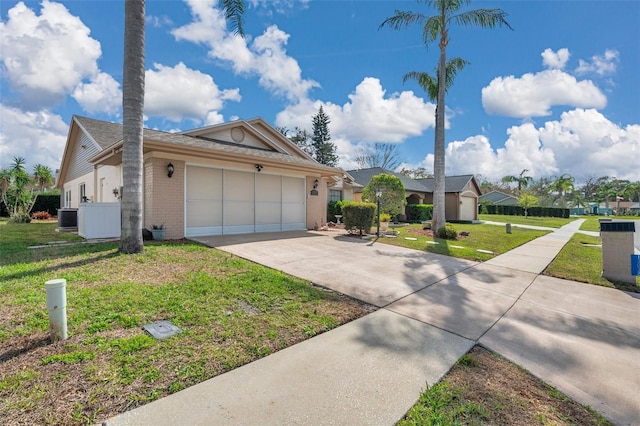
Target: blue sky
(558,94)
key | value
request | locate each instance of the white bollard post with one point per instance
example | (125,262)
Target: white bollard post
(57,307)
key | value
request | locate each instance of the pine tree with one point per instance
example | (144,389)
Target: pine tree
(324,149)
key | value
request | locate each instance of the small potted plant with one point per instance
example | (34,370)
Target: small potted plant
(158,232)
(384,221)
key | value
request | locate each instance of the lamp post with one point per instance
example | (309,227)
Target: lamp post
(378,196)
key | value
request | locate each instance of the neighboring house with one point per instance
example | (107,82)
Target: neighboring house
(236,177)
(499,198)
(461,192)
(343,188)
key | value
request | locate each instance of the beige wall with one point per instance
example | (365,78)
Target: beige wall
(74,187)
(317,204)
(164,196)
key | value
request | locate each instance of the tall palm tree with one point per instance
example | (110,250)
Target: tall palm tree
(436,28)
(522,180)
(132,112)
(42,175)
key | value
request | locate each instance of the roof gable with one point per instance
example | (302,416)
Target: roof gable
(452,183)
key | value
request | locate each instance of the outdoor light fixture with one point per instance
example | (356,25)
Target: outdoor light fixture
(116,192)
(378,196)
(315,184)
(170,169)
(258,167)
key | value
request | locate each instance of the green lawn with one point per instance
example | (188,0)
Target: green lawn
(580,260)
(484,237)
(592,223)
(232,312)
(550,222)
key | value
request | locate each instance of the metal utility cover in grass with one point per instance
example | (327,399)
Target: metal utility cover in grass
(161,329)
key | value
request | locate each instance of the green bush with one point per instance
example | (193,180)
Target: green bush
(334,208)
(49,202)
(20,218)
(358,216)
(448,232)
(532,211)
(419,212)
(385,217)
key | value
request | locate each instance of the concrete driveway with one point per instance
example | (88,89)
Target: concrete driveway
(378,274)
(583,339)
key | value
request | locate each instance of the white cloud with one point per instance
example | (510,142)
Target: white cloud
(534,94)
(102,94)
(45,57)
(600,65)
(583,142)
(266,57)
(369,116)
(180,92)
(555,60)
(158,21)
(39,137)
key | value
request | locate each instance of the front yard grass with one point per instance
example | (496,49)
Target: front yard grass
(581,260)
(484,388)
(549,222)
(592,223)
(232,312)
(481,236)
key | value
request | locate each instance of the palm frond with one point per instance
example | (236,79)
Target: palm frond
(431,29)
(485,18)
(233,12)
(402,19)
(453,66)
(428,83)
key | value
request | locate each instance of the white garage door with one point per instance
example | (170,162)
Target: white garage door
(468,208)
(234,202)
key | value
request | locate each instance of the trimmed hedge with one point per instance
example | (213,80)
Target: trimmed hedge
(531,211)
(49,203)
(358,216)
(419,212)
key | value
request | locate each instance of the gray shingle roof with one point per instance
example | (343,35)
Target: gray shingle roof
(103,132)
(451,183)
(106,134)
(363,177)
(498,197)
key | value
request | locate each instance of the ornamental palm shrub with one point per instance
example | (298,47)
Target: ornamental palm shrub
(448,232)
(358,216)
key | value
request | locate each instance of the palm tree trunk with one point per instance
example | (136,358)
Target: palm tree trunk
(132,109)
(439,218)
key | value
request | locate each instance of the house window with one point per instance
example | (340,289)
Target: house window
(67,198)
(83,193)
(335,195)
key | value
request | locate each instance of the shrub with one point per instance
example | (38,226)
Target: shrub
(40,216)
(48,202)
(20,218)
(358,216)
(392,200)
(419,212)
(447,233)
(334,208)
(385,217)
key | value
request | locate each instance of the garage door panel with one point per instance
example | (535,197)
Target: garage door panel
(294,212)
(203,212)
(268,188)
(239,202)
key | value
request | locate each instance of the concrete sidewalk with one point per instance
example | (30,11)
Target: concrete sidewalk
(583,339)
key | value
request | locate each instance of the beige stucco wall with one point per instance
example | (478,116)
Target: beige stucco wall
(107,178)
(316,204)
(164,196)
